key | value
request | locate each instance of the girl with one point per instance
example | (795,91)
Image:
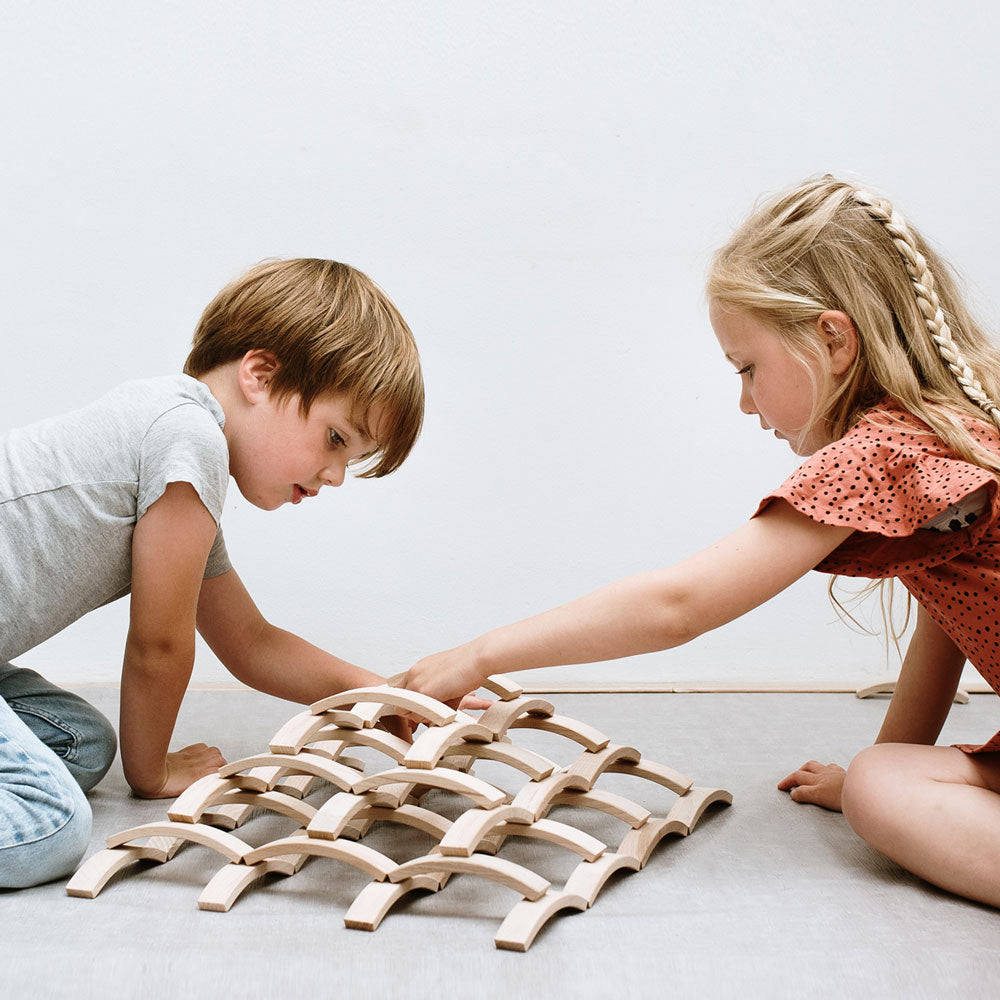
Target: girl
(852,344)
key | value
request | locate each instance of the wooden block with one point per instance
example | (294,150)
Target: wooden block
(579,732)
(420,819)
(588,877)
(607,802)
(226,817)
(373,862)
(481,792)
(498,717)
(463,837)
(339,810)
(421,705)
(227,792)
(639,843)
(651,771)
(229,882)
(504,688)
(95,873)
(432,745)
(528,917)
(536,796)
(198,796)
(302,729)
(306,763)
(298,786)
(563,834)
(377,739)
(534,765)
(376,899)
(591,764)
(517,877)
(228,845)
(889,687)
(688,809)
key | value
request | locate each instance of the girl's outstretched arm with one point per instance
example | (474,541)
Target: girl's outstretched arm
(647,612)
(923,697)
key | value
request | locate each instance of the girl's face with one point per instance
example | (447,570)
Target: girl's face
(774,384)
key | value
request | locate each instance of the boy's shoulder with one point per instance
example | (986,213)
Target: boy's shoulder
(158,395)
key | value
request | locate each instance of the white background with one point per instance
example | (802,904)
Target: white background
(539,187)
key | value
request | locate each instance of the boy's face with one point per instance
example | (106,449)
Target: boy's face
(280,456)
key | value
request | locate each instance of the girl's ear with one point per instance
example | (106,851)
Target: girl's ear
(837,332)
(256,369)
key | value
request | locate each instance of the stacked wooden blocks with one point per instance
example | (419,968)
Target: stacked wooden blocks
(311,750)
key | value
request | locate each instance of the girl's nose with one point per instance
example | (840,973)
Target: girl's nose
(746,399)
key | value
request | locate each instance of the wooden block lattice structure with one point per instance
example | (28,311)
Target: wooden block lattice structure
(309,753)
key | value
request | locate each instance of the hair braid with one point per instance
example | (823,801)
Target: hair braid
(922,281)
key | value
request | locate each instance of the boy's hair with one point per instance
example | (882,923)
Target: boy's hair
(826,245)
(331,329)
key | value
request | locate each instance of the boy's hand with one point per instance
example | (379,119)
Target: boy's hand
(448,676)
(184,767)
(816,784)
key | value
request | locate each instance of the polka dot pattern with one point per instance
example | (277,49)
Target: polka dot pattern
(886,478)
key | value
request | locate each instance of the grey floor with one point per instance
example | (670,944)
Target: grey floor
(764,899)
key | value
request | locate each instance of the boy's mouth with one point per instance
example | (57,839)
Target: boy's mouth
(300,492)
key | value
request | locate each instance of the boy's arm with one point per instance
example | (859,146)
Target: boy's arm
(170,546)
(265,657)
(928,680)
(651,611)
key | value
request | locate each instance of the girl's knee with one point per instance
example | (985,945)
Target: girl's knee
(44,830)
(864,796)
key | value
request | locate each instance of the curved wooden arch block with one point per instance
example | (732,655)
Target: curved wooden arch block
(503,688)
(517,877)
(432,745)
(689,808)
(377,898)
(481,792)
(95,873)
(377,739)
(527,918)
(333,817)
(462,839)
(199,795)
(536,796)
(889,687)
(591,764)
(303,728)
(607,802)
(226,844)
(570,837)
(230,881)
(651,771)
(226,817)
(534,765)
(305,763)
(579,732)
(639,843)
(431,823)
(434,711)
(227,791)
(368,860)
(498,717)
(588,877)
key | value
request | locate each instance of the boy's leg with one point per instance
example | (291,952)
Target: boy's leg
(73,729)
(44,814)
(933,810)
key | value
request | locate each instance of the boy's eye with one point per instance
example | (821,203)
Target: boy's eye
(336,440)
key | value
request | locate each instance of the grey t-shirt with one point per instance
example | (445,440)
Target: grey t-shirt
(72,488)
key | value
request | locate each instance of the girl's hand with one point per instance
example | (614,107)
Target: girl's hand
(817,784)
(448,676)
(183,768)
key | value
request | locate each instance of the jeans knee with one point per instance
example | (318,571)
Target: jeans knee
(98,747)
(44,831)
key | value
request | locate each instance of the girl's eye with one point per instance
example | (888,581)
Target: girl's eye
(747,370)
(336,440)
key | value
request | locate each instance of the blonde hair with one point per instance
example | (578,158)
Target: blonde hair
(332,330)
(828,245)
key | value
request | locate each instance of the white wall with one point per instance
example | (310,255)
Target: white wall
(539,187)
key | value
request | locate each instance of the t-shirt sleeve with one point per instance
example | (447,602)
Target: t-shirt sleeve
(186,445)
(886,480)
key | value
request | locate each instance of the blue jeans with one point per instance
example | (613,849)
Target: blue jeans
(54,746)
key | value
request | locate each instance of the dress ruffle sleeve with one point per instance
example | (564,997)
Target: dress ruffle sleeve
(886,478)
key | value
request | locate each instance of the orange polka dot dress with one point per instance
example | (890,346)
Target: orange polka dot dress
(887,478)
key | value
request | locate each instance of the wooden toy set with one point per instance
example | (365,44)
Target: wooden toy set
(309,753)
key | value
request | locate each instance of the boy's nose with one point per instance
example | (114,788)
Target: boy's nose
(333,474)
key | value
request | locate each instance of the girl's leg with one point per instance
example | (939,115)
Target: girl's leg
(933,810)
(44,815)
(73,729)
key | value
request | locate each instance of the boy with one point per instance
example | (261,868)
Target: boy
(297,370)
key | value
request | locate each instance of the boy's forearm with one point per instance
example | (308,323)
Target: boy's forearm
(285,665)
(153,686)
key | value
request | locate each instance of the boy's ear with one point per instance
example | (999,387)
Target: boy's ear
(837,331)
(255,371)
